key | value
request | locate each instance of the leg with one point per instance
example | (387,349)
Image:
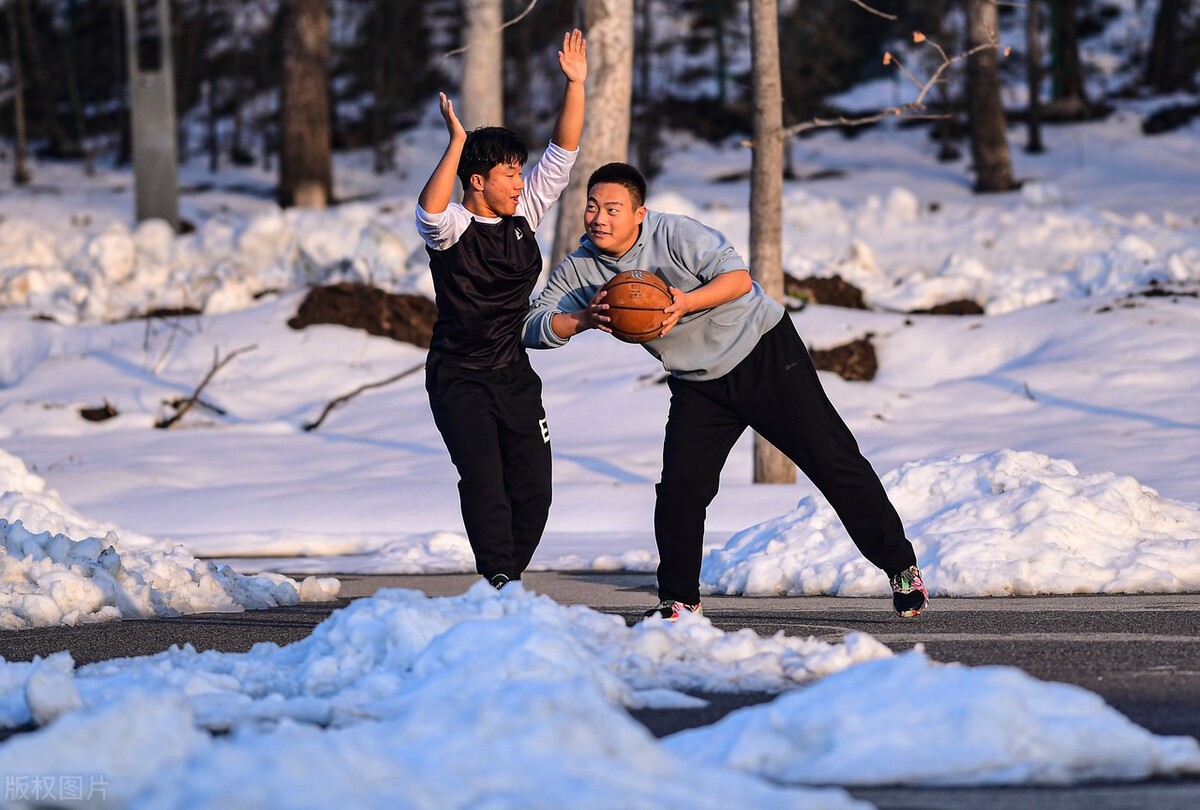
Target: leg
(793,412)
(463,410)
(700,433)
(525,445)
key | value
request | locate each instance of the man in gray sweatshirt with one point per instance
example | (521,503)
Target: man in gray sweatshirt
(735,361)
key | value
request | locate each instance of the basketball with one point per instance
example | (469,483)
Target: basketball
(636,299)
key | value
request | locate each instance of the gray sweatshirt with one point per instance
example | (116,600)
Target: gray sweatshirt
(704,345)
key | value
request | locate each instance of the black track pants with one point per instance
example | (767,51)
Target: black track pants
(775,391)
(494,426)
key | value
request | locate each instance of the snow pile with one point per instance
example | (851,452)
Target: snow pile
(401,700)
(1007,729)
(1003,259)
(86,269)
(508,699)
(990,524)
(47,578)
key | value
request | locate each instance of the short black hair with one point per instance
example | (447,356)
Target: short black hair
(487,147)
(623,175)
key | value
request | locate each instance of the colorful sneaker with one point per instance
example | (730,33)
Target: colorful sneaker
(499,581)
(909,596)
(671,610)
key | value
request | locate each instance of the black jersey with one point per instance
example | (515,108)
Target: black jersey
(483,283)
(484,269)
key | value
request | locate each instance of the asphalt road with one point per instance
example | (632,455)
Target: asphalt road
(1141,653)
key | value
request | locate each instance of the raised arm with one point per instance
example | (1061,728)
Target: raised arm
(439,188)
(573,61)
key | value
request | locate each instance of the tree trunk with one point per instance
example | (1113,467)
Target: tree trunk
(989,139)
(766,197)
(1033,69)
(608,25)
(1166,69)
(483,65)
(305,159)
(20,170)
(1070,99)
(43,87)
(647,124)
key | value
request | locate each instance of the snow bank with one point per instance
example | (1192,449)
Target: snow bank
(47,578)
(872,725)
(991,524)
(485,699)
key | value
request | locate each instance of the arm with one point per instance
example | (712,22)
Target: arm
(720,290)
(567,325)
(439,188)
(573,61)
(567,305)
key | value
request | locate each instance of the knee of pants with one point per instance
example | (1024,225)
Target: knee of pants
(683,489)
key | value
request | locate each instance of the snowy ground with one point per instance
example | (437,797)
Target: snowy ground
(1049,446)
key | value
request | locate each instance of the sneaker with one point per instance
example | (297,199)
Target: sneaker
(671,610)
(909,596)
(499,581)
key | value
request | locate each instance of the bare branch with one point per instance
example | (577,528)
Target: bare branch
(876,12)
(187,404)
(911,109)
(513,21)
(367,387)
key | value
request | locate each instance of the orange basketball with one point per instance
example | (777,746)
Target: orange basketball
(636,299)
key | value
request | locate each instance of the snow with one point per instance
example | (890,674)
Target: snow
(1047,446)
(1007,729)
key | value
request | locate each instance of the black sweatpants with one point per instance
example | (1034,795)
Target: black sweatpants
(775,391)
(494,426)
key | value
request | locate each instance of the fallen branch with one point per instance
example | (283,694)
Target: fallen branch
(187,404)
(342,400)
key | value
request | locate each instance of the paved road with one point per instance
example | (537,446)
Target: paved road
(1141,653)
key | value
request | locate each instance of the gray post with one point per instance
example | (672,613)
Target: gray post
(152,103)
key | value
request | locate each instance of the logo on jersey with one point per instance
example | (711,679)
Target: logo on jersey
(518,232)
(545,431)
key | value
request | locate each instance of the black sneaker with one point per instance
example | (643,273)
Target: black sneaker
(909,596)
(499,581)
(671,610)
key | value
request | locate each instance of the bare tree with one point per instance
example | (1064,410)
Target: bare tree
(989,138)
(1069,98)
(609,28)
(39,76)
(766,197)
(20,170)
(482,102)
(1167,69)
(305,156)
(1033,71)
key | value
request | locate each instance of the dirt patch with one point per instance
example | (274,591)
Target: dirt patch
(855,361)
(834,291)
(399,316)
(99,413)
(963,306)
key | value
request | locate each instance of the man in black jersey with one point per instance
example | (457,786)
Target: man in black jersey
(485,397)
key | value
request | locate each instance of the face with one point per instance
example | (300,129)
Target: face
(499,190)
(611,219)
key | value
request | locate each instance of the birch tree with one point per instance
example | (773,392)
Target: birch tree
(482,96)
(608,25)
(766,197)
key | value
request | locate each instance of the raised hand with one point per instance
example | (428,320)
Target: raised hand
(573,56)
(453,125)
